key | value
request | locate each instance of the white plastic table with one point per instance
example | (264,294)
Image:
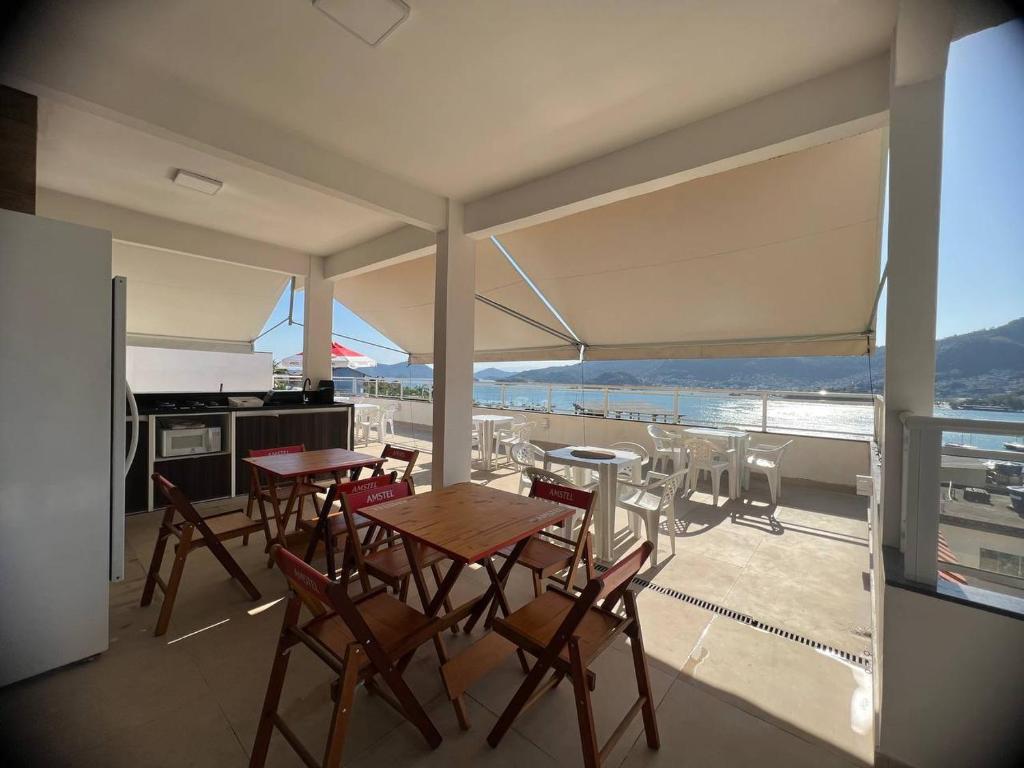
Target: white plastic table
(486,422)
(607,487)
(737,440)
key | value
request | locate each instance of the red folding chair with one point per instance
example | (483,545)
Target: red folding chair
(566,633)
(211,532)
(407,455)
(260,493)
(549,553)
(330,528)
(359,639)
(385,559)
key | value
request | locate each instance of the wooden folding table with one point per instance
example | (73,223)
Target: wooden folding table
(469,523)
(295,466)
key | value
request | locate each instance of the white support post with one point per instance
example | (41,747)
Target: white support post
(920,51)
(454,308)
(317,321)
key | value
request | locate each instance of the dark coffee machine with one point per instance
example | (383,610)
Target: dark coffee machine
(325,392)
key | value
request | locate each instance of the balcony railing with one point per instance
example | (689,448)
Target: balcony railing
(963,506)
(833,414)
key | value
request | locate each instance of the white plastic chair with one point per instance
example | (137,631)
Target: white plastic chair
(526,456)
(665,450)
(506,431)
(387,422)
(705,456)
(767,459)
(363,424)
(520,432)
(650,500)
(639,450)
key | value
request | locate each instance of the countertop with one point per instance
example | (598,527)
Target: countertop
(153,411)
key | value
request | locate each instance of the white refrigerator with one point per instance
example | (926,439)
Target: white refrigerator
(62,442)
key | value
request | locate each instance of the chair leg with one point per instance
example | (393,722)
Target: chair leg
(643,678)
(584,712)
(343,707)
(772,482)
(716,477)
(154,566)
(180,553)
(274,687)
(651,524)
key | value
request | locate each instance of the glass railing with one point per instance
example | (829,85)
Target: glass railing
(849,415)
(964,512)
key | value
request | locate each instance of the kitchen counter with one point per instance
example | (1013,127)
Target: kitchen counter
(154,411)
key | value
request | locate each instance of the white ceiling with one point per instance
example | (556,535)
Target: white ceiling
(82,154)
(463,99)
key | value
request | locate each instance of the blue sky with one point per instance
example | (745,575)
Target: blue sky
(981,238)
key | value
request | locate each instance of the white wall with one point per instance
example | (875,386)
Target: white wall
(157,369)
(953,691)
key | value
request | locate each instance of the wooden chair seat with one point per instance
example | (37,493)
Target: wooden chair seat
(369,638)
(542,555)
(391,564)
(565,633)
(539,619)
(227,525)
(391,621)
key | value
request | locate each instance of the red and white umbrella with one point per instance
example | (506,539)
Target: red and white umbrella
(341,357)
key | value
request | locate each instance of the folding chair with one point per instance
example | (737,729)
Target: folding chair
(407,455)
(329,526)
(385,559)
(566,633)
(359,639)
(548,553)
(212,531)
(260,493)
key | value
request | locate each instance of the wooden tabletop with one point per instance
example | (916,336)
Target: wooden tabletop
(313,462)
(468,522)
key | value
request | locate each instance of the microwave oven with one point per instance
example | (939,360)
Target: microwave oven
(189,441)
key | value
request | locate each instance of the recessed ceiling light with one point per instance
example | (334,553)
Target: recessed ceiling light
(199,183)
(369,20)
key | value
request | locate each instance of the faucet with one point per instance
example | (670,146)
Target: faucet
(305,393)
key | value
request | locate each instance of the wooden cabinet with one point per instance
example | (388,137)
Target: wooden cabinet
(200,477)
(252,432)
(136,482)
(322,429)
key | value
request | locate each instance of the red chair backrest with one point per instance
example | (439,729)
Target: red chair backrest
(366,484)
(303,578)
(255,453)
(176,498)
(353,502)
(402,454)
(574,497)
(616,579)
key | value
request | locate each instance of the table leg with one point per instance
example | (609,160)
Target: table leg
(490,594)
(604,519)
(431,609)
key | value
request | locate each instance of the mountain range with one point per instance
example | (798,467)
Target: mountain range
(975,364)
(982,363)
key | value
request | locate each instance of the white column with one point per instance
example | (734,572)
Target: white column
(454,300)
(920,50)
(317,320)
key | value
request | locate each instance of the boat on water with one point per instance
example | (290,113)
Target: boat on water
(1019,447)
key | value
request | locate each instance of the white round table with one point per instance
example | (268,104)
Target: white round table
(735,439)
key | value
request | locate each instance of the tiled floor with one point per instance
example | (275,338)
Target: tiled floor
(727,694)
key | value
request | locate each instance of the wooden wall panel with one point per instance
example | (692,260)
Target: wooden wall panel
(18,113)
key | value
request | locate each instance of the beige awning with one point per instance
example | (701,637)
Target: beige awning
(181,301)
(776,258)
